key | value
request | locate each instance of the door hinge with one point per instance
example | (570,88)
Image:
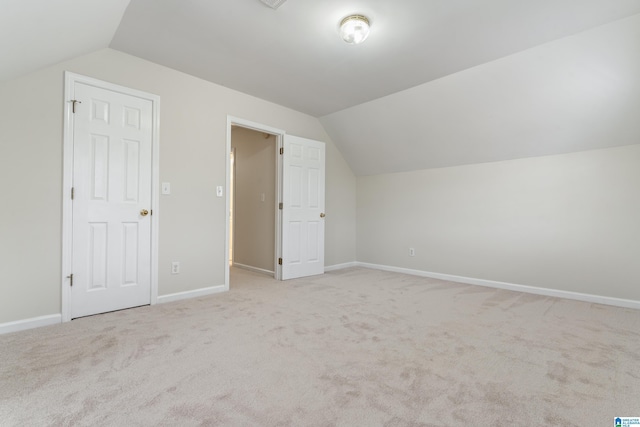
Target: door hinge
(280,205)
(73,105)
(279,261)
(73,192)
(281,150)
(70,277)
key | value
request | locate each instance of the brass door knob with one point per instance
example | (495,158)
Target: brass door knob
(322,215)
(144,212)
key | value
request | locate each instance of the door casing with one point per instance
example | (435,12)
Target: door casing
(67,182)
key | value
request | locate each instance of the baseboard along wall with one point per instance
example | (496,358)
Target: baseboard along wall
(34,322)
(340,266)
(254,269)
(598,299)
(178,296)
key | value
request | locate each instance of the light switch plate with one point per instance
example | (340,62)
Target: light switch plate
(166,188)
(219,191)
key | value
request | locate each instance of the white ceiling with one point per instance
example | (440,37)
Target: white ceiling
(293,56)
(38,33)
(438,82)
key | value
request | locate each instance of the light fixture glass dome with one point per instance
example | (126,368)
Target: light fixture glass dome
(354,29)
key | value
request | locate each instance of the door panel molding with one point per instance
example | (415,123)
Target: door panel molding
(71,79)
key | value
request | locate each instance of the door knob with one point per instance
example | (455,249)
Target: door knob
(144,212)
(322,215)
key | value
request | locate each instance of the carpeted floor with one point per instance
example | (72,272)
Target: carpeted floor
(354,347)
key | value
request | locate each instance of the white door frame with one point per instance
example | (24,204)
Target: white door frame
(279,133)
(70,79)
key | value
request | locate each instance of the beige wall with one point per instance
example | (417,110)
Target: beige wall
(568,222)
(192,158)
(255,194)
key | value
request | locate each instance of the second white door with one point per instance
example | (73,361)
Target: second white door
(303,186)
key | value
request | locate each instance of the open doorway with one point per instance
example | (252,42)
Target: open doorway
(298,205)
(253,200)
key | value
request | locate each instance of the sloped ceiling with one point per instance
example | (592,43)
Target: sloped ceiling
(438,82)
(38,33)
(574,94)
(293,56)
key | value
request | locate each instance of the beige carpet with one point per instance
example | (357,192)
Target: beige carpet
(355,347)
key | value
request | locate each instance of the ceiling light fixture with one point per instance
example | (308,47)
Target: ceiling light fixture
(354,29)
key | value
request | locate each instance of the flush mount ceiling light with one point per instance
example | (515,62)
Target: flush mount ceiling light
(354,29)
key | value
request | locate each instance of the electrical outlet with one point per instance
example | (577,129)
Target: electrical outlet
(412,252)
(175,267)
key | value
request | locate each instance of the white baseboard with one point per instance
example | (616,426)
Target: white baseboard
(254,269)
(34,322)
(598,299)
(178,296)
(340,266)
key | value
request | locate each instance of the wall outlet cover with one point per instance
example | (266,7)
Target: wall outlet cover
(175,267)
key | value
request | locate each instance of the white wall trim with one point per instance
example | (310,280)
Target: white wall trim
(340,266)
(179,296)
(254,269)
(67,181)
(598,299)
(34,322)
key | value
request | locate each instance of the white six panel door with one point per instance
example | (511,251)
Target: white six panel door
(303,176)
(112,152)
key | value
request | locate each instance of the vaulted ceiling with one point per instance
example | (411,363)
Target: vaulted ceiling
(438,82)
